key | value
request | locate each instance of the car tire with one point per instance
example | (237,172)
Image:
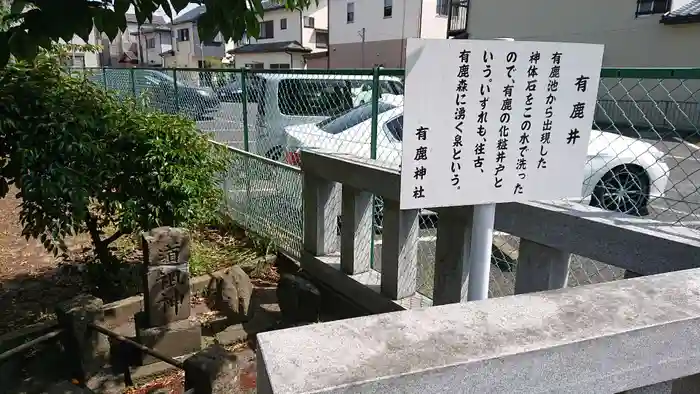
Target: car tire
(275,153)
(623,189)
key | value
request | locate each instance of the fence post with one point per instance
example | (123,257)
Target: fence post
(244,104)
(104,76)
(375,112)
(177,96)
(373,152)
(133,82)
(85,349)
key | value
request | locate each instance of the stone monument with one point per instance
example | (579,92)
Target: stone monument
(164,324)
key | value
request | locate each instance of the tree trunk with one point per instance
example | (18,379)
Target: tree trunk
(101,247)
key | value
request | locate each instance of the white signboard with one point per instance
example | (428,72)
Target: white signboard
(496,121)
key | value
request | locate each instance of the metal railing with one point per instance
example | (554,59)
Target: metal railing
(124,364)
(650,120)
(52,335)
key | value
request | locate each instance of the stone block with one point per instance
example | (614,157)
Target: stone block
(212,370)
(175,339)
(168,296)
(298,298)
(232,294)
(166,246)
(87,349)
(166,252)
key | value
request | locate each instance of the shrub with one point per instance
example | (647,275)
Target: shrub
(85,160)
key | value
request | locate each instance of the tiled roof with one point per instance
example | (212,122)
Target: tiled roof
(191,15)
(282,46)
(271,5)
(688,13)
(195,13)
(156,19)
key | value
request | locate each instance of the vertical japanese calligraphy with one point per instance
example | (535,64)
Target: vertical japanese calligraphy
(552,89)
(496,121)
(578,110)
(504,129)
(482,117)
(421,157)
(460,116)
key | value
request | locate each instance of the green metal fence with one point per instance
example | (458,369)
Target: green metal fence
(648,117)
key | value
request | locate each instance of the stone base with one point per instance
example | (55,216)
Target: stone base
(175,339)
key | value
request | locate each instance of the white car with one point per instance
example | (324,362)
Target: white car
(622,174)
(362,93)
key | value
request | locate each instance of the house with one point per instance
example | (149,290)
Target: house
(124,49)
(188,50)
(366,33)
(85,59)
(153,42)
(285,37)
(636,33)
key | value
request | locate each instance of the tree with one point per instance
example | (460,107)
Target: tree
(86,160)
(38,23)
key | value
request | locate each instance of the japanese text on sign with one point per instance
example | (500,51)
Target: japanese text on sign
(505,121)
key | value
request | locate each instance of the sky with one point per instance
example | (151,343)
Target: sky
(163,14)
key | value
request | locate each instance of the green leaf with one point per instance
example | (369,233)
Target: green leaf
(17,6)
(21,45)
(4,49)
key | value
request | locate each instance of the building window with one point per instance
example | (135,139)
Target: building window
(388,8)
(648,7)
(309,21)
(77,61)
(183,34)
(277,66)
(255,65)
(267,30)
(212,43)
(351,13)
(283,24)
(321,40)
(442,7)
(150,43)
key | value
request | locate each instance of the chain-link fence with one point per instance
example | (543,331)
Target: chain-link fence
(641,160)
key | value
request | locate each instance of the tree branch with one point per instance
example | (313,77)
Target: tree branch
(113,237)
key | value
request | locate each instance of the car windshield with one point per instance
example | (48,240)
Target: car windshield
(385,87)
(162,77)
(351,117)
(392,87)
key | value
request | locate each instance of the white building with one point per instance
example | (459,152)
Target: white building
(125,49)
(85,59)
(636,33)
(285,37)
(366,33)
(188,50)
(154,42)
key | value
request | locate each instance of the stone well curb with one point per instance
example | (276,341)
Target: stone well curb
(117,312)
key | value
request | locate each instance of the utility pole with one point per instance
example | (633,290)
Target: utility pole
(361,33)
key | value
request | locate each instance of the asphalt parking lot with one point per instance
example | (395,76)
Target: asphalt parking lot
(680,205)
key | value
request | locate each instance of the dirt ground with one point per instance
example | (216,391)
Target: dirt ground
(30,279)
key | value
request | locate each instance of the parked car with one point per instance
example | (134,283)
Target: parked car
(162,91)
(622,174)
(290,99)
(391,91)
(233,91)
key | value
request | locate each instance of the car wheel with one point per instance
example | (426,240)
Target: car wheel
(275,153)
(623,189)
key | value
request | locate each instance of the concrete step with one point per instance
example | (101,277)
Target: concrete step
(66,387)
